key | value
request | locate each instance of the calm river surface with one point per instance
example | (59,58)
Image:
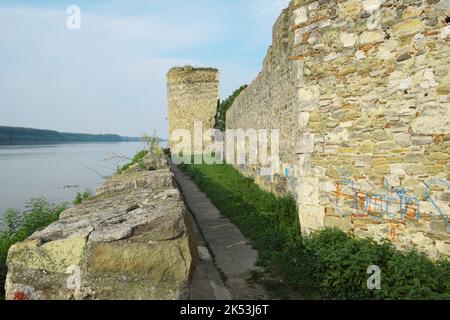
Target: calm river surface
(56,172)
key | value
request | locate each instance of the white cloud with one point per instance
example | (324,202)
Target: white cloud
(110,75)
(112,70)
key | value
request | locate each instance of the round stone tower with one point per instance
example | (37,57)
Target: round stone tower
(193,95)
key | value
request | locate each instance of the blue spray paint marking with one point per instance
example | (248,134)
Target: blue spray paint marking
(376,203)
(346,175)
(431,200)
(400,193)
(289,173)
(405,201)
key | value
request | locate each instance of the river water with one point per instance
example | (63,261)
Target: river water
(56,172)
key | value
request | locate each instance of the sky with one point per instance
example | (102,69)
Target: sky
(110,75)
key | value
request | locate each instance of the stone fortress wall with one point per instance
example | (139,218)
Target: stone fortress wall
(193,95)
(360,93)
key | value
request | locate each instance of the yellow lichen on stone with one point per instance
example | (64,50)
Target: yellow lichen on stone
(407,28)
(55,256)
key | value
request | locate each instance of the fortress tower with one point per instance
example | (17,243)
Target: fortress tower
(193,95)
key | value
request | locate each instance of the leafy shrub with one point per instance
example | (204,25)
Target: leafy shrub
(19,225)
(411,275)
(153,144)
(329,264)
(82,196)
(137,159)
(336,264)
(224,106)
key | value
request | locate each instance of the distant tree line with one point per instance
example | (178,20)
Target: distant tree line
(16,135)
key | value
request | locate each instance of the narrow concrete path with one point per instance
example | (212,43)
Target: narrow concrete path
(226,256)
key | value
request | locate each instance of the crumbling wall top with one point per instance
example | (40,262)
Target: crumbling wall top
(192,74)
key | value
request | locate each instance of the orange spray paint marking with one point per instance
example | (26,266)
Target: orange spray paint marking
(338,190)
(20,296)
(393,234)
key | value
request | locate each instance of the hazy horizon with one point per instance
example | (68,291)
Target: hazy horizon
(109,76)
(50,129)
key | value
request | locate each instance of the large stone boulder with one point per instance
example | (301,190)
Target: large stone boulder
(133,240)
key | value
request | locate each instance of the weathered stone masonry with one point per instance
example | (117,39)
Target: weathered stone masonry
(360,92)
(193,95)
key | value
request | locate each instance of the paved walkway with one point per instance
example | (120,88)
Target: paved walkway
(225,256)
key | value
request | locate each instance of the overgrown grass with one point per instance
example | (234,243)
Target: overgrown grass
(327,265)
(19,225)
(137,159)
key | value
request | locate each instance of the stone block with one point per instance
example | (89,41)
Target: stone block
(397,169)
(443,89)
(348,39)
(308,191)
(402,139)
(407,28)
(309,96)
(134,241)
(351,8)
(443,247)
(371,5)
(370,37)
(445,33)
(312,218)
(343,223)
(421,140)
(305,143)
(301,15)
(303,120)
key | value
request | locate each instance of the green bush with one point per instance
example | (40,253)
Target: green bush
(19,225)
(224,106)
(138,158)
(82,196)
(329,264)
(335,265)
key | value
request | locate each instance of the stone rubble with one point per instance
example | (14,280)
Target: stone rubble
(132,241)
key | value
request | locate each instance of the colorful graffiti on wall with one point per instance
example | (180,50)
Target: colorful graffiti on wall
(394,204)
